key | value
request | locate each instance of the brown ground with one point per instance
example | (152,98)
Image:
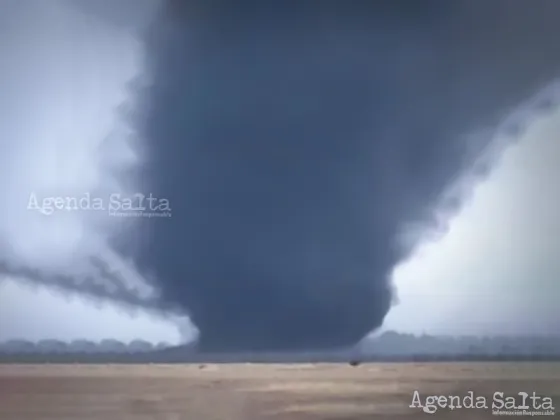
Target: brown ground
(249,392)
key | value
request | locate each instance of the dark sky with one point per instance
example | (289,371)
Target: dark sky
(305,147)
(297,140)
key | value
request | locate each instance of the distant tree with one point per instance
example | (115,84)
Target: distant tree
(82,346)
(19,347)
(473,349)
(51,346)
(507,349)
(390,343)
(140,346)
(554,345)
(112,346)
(162,345)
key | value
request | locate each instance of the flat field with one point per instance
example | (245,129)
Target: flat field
(259,391)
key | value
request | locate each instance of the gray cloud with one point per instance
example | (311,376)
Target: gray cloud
(306,149)
(63,77)
(300,142)
(125,14)
(499,255)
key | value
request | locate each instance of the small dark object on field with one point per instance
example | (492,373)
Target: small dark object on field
(354,363)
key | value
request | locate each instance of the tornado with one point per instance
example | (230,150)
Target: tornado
(299,142)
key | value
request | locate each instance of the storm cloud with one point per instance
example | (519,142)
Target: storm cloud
(306,146)
(306,149)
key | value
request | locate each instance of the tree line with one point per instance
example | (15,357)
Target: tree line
(390,346)
(19,346)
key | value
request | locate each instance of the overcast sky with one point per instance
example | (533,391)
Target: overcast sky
(66,75)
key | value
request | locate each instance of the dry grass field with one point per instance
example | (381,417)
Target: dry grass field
(249,392)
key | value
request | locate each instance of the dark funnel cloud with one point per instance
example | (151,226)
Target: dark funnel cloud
(297,141)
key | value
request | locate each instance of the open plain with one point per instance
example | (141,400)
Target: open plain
(260,391)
